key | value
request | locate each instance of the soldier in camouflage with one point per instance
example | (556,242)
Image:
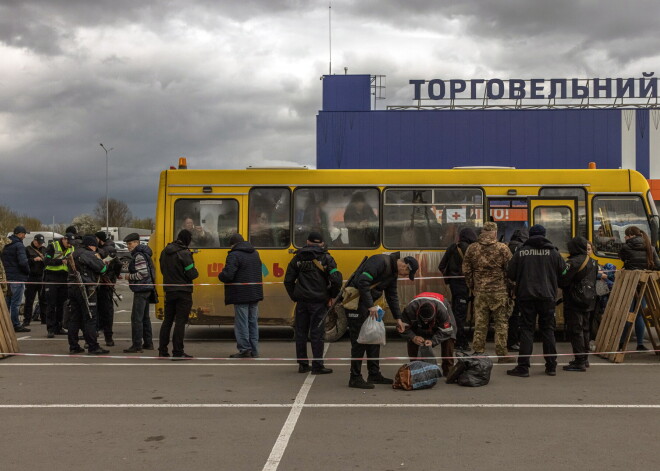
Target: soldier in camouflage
(485,266)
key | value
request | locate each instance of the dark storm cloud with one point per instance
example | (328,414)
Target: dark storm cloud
(233,83)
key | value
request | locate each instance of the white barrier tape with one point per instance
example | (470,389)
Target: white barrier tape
(267,359)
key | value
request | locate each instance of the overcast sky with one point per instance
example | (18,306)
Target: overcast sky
(230,83)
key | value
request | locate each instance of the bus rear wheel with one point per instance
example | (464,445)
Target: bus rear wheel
(336,324)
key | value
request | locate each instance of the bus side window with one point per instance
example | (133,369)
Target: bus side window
(612,215)
(211,221)
(429,218)
(269,218)
(345,217)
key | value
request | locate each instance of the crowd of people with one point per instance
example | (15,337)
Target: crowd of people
(514,286)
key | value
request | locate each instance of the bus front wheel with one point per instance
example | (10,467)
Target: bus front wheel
(335,324)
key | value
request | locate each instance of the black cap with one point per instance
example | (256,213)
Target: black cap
(413,266)
(185,237)
(71,229)
(89,241)
(315,237)
(20,230)
(537,229)
(39,238)
(102,236)
(69,236)
(235,239)
(426,312)
(131,237)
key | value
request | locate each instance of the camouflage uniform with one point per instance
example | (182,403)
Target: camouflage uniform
(3,278)
(485,267)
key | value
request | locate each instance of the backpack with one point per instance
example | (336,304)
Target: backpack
(583,291)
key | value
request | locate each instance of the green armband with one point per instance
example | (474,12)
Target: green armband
(189,267)
(368,275)
(332,271)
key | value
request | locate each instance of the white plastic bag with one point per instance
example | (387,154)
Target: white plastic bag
(372,332)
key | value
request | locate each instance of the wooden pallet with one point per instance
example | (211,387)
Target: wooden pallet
(618,320)
(8,342)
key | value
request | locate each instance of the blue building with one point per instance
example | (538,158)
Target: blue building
(352,135)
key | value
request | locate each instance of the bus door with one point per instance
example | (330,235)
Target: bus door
(510,214)
(558,216)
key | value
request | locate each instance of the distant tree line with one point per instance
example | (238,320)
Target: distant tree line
(119,215)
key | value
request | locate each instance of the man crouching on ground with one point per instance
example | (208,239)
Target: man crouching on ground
(428,321)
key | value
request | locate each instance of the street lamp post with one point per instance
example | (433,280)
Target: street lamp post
(107,213)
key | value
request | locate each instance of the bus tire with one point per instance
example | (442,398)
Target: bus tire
(336,324)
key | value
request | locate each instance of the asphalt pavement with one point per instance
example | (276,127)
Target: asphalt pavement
(142,413)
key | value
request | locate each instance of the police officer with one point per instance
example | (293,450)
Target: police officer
(82,298)
(536,268)
(312,281)
(378,274)
(106,290)
(56,272)
(35,255)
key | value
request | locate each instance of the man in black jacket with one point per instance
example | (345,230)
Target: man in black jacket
(536,268)
(106,307)
(17,269)
(82,298)
(451,265)
(378,274)
(579,277)
(243,265)
(178,269)
(312,281)
(35,256)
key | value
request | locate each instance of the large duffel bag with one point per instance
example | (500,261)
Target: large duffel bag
(417,375)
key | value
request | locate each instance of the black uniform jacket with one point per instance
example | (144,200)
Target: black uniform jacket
(177,266)
(536,267)
(381,272)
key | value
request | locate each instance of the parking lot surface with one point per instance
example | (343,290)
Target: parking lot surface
(143,413)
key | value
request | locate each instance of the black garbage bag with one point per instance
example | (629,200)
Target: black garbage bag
(471,371)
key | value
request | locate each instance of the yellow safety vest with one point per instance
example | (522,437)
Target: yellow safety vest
(60,254)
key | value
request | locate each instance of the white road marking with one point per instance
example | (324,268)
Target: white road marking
(282,441)
(274,459)
(23,338)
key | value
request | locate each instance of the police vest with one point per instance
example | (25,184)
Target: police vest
(59,254)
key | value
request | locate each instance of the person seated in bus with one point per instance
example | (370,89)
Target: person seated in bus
(361,221)
(638,254)
(315,219)
(604,242)
(424,223)
(261,231)
(200,237)
(429,322)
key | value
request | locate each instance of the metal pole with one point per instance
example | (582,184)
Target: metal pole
(107,213)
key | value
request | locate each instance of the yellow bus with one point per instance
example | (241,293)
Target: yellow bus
(366,212)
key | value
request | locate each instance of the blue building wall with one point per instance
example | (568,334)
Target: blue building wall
(451,138)
(351,135)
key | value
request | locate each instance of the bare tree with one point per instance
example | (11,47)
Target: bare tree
(119,214)
(10,219)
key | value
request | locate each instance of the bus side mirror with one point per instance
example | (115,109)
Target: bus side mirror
(655,228)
